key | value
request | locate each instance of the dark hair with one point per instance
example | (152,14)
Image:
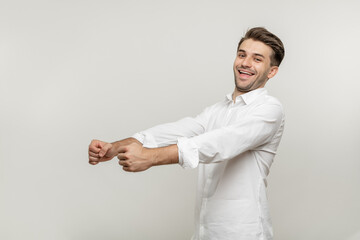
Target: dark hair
(263,35)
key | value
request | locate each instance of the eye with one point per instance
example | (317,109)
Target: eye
(258,59)
(242,55)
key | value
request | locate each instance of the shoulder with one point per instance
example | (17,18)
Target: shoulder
(267,100)
(269,106)
(270,100)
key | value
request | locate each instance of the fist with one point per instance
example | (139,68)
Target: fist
(135,158)
(100,151)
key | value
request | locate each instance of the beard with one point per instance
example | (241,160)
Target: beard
(259,81)
(245,89)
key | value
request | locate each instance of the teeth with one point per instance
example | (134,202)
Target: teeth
(246,73)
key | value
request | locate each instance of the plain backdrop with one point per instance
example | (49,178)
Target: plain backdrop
(73,71)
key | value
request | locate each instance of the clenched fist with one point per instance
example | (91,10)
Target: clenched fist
(135,158)
(100,151)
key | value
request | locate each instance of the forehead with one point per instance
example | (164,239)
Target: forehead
(253,47)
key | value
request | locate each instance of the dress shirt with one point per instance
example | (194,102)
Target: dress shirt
(233,144)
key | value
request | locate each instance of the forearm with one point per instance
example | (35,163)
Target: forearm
(163,155)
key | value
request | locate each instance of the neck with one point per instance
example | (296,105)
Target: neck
(237,93)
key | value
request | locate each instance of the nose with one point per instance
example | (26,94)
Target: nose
(246,63)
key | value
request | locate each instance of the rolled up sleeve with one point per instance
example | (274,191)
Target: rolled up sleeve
(188,153)
(139,136)
(147,140)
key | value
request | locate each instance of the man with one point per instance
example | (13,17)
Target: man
(233,144)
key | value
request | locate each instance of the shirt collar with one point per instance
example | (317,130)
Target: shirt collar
(249,97)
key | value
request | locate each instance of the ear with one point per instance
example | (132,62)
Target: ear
(273,71)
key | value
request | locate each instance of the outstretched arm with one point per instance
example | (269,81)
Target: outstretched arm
(158,136)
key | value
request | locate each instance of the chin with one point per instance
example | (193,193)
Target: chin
(243,83)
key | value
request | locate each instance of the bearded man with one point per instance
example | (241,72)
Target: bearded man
(232,143)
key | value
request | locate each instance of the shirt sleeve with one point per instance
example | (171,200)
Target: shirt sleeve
(254,130)
(169,133)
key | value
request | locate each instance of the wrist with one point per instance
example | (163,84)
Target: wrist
(151,155)
(126,141)
(116,146)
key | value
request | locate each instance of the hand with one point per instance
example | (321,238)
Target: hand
(100,151)
(135,158)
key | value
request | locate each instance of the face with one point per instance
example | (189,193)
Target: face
(252,66)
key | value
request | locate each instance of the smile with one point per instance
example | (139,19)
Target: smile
(246,72)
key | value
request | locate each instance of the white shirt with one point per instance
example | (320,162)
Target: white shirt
(233,144)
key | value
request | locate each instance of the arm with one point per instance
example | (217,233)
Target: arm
(158,136)
(220,144)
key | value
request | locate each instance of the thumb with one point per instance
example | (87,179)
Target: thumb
(105,149)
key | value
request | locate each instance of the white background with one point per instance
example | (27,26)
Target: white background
(71,71)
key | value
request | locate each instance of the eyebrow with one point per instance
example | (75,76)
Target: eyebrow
(256,54)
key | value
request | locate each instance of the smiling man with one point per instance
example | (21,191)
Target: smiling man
(233,144)
(251,68)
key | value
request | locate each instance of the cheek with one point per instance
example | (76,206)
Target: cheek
(237,62)
(262,70)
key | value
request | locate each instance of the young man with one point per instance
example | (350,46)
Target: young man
(233,143)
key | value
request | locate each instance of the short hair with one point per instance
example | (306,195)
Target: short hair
(268,38)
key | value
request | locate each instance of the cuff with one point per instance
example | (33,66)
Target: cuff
(147,140)
(188,153)
(139,136)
